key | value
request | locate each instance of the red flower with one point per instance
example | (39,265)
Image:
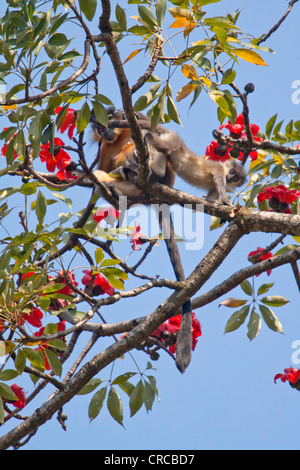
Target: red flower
(291,375)
(261,257)
(213,152)
(43,344)
(60,279)
(172,326)
(4,148)
(218,152)
(66,290)
(135,238)
(33,318)
(237,128)
(18,391)
(26,275)
(99,280)
(279,197)
(69,121)
(110,214)
(64,173)
(52,161)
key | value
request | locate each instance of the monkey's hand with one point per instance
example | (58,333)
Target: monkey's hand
(128,171)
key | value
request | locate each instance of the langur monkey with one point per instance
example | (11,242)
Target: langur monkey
(168,156)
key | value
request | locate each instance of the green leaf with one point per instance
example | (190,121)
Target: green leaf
(285,249)
(6,347)
(8,374)
(20,361)
(114,405)
(35,357)
(100,113)
(7,393)
(172,110)
(41,206)
(54,362)
(121,17)
(264,288)
(221,34)
(274,301)
(58,39)
(270,319)
(65,199)
(254,325)
(90,386)
(99,255)
(96,403)
(137,398)
(161,7)
(88,8)
(206,2)
(252,194)
(270,124)
(152,381)
(110,262)
(237,319)
(83,118)
(147,16)
(247,287)
(149,396)
(127,387)
(228,77)
(123,378)
(1,412)
(103,99)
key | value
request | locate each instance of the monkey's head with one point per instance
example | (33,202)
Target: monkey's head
(235,173)
(100,131)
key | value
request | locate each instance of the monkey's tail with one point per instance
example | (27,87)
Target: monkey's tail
(184,336)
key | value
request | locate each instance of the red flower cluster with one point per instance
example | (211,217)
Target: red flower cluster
(218,152)
(18,391)
(215,152)
(261,257)
(110,214)
(4,148)
(99,280)
(60,160)
(279,197)
(66,290)
(43,344)
(291,375)
(34,318)
(69,122)
(171,328)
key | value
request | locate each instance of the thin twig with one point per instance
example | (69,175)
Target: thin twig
(277,25)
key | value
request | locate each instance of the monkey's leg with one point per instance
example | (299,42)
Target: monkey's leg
(184,337)
(125,188)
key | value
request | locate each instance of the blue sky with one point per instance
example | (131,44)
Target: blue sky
(227,398)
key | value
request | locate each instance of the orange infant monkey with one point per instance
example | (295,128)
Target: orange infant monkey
(168,156)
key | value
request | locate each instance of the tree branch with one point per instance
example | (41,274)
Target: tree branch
(277,25)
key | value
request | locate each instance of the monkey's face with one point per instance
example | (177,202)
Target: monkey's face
(235,174)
